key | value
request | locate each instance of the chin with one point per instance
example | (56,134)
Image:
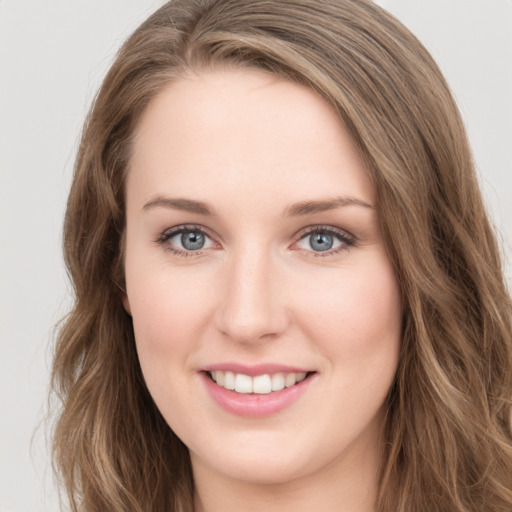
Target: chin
(261,469)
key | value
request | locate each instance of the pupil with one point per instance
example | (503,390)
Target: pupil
(192,241)
(321,242)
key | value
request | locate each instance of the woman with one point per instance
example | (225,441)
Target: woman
(288,293)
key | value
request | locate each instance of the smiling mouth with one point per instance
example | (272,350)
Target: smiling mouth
(259,384)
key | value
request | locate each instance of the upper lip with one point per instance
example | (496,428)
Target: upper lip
(255,369)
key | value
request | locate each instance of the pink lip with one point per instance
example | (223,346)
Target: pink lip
(253,405)
(253,370)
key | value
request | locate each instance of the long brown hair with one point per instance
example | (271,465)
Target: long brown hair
(449,433)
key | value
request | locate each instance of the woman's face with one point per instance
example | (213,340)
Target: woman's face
(254,258)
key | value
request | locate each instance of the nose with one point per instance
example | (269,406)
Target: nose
(252,308)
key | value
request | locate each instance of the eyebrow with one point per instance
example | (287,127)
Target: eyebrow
(187,205)
(294,210)
(311,207)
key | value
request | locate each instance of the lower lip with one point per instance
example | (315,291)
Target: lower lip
(254,405)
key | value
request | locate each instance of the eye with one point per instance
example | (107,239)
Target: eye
(184,240)
(189,240)
(325,240)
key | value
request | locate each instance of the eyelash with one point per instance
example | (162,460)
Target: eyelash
(347,240)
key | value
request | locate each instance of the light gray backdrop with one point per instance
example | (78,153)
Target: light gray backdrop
(53,56)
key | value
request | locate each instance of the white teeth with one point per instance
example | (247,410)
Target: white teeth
(229,380)
(243,383)
(277,382)
(290,379)
(219,378)
(261,384)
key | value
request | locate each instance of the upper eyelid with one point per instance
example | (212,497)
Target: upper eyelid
(169,232)
(305,229)
(164,237)
(326,229)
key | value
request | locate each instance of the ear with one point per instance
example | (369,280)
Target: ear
(126,304)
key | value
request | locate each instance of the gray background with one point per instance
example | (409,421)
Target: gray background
(53,56)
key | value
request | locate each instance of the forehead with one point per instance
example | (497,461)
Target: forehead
(243,132)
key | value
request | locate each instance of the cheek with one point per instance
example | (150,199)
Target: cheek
(164,312)
(168,313)
(356,316)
